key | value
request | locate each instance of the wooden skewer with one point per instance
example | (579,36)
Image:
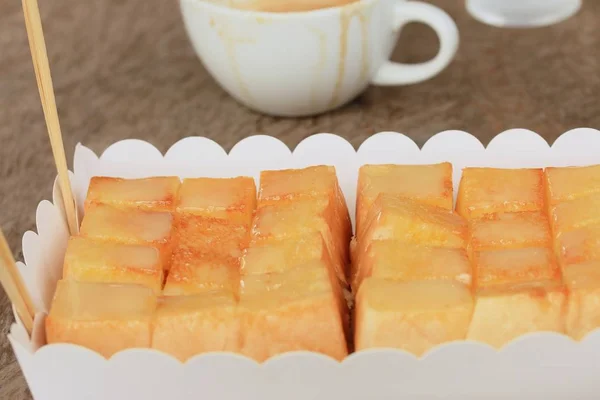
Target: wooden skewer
(13,285)
(37,45)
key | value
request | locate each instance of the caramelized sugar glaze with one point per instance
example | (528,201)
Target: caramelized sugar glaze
(211,264)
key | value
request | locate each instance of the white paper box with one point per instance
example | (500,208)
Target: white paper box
(537,366)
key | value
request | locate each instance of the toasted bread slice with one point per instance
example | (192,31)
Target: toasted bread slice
(494,190)
(102,317)
(583,282)
(397,218)
(110,224)
(193,273)
(503,314)
(575,214)
(202,235)
(413,316)
(88,260)
(429,184)
(510,231)
(229,199)
(185,326)
(294,219)
(311,183)
(571,183)
(279,255)
(292,311)
(578,246)
(510,267)
(149,194)
(396,260)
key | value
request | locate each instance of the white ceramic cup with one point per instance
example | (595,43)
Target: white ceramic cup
(305,63)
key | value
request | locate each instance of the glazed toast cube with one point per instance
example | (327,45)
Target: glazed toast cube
(414,316)
(393,217)
(494,269)
(88,260)
(502,315)
(429,184)
(106,223)
(185,326)
(579,245)
(279,255)
(312,183)
(293,184)
(495,190)
(199,234)
(230,199)
(575,214)
(396,260)
(297,310)
(518,291)
(149,194)
(102,317)
(510,231)
(571,183)
(583,314)
(292,219)
(194,273)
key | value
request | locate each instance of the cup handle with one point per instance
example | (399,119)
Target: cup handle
(392,73)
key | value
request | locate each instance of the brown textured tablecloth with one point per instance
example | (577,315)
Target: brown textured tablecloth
(125,69)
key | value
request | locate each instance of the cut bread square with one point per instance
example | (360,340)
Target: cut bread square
(193,273)
(579,245)
(497,268)
(293,219)
(398,218)
(494,190)
(297,310)
(88,260)
(199,234)
(571,183)
(102,317)
(311,183)
(185,326)
(575,214)
(230,199)
(429,184)
(150,194)
(412,316)
(103,222)
(510,231)
(396,260)
(292,184)
(279,255)
(518,282)
(506,313)
(583,282)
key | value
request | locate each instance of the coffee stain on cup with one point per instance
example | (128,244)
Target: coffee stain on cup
(262,20)
(320,65)
(364,70)
(355,10)
(231,41)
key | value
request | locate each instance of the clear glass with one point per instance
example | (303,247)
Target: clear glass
(522,13)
